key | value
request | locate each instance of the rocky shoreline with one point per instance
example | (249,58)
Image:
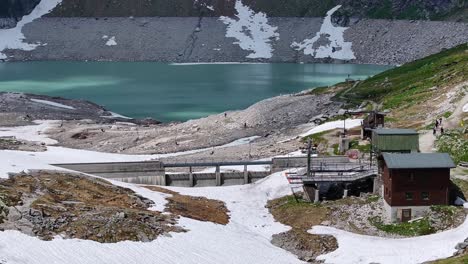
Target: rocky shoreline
(273,124)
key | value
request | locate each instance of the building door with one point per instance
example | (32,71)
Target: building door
(405,215)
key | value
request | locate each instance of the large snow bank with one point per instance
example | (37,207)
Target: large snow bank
(53,104)
(247,203)
(336,47)
(348,123)
(354,248)
(30,133)
(252,31)
(246,239)
(13,38)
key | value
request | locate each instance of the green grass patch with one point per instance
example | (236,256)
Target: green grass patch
(336,149)
(354,144)
(453,260)
(416,228)
(447,114)
(316,138)
(455,143)
(444,209)
(411,83)
(372,198)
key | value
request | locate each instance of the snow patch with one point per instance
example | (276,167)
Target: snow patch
(336,47)
(52,104)
(348,123)
(354,248)
(13,38)
(111,41)
(465,108)
(115,115)
(252,31)
(30,133)
(247,235)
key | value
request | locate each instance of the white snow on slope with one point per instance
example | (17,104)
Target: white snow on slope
(354,248)
(13,38)
(349,123)
(30,133)
(252,31)
(336,47)
(246,239)
(111,42)
(115,115)
(52,103)
(247,203)
(465,108)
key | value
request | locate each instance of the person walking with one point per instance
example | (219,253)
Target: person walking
(434,131)
(437,123)
(441,130)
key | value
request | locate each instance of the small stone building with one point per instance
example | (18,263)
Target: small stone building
(412,182)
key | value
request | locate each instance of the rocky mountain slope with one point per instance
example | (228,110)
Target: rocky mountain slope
(454,10)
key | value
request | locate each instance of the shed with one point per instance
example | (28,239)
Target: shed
(372,121)
(395,140)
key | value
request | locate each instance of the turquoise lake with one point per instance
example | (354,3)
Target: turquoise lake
(169,92)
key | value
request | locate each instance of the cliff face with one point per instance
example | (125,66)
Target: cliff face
(11,11)
(387,9)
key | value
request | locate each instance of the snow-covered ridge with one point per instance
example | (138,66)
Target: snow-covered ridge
(252,31)
(336,47)
(13,38)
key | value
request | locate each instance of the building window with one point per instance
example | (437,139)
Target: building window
(409,196)
(425,196)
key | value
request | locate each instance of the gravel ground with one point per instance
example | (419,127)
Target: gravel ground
(273,120)
(171,39)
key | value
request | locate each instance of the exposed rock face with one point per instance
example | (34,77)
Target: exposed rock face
(11,11)
(388,9)
(47,204)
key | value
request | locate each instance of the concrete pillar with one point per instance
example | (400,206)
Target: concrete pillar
(218,176)
(317,195)
(345,194)
(375,187)
(191,181)
(246,175)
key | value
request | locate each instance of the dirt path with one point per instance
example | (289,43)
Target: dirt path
(427,139)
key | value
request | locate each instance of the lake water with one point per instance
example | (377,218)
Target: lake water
(169,92)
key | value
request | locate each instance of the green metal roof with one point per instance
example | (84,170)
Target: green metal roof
(395,131)
(418,160)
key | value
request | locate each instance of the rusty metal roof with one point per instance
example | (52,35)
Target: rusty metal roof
(418,160)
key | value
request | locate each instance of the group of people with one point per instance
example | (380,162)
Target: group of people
(437,126)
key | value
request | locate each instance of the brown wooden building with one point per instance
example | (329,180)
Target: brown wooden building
(372,121)
(413,182)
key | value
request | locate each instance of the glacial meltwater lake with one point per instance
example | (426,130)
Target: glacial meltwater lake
(172,92)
